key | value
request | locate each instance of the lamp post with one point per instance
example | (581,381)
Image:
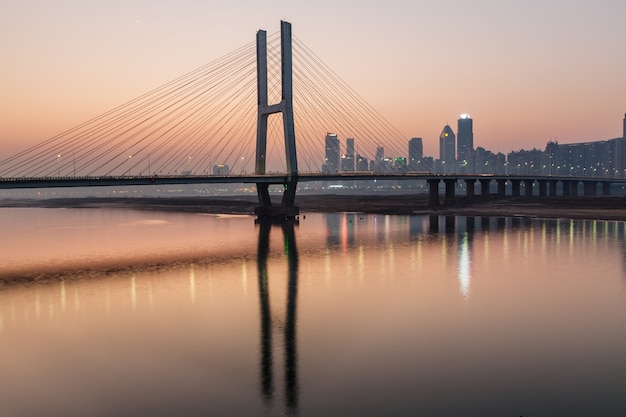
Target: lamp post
(129,158)
(58,166)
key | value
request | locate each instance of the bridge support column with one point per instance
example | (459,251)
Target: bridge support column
(501,187)
(552,188)
(484,187)
(590,188)
(450,188)
(515,187)
(606,188)
(528,187)
(543,188)
(469,185)
(433,192)
(567,187)
(573,188)
(265,209)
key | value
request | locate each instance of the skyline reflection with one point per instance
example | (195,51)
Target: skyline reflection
(384,309)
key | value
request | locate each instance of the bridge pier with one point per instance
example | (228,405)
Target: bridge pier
(515,187)
(528,187)
(552,188)
(433,192)
(573,188)
(590,188)
(484,187)
(501,187)
(469,185)
(450,188)
(567,187)
(543,188)
(606,188)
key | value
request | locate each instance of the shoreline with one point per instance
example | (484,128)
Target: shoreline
(592,208)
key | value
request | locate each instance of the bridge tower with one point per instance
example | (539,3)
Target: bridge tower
(286,208)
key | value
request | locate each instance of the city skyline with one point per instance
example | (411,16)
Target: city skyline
(530,73)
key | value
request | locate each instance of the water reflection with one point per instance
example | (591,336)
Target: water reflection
(388,329)
(465,275)
(290,345)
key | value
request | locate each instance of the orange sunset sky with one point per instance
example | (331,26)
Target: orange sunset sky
(526,71)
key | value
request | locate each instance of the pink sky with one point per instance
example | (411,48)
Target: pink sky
(527,72)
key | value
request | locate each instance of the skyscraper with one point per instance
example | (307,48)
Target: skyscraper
(347,160)
(378,163)
(465,144)
(416,153)
(620,153)
(331,163)
(447,142)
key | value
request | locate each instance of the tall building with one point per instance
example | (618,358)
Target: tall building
(465,144)
(362,164)
(447,142)
(416,153)
(378,164)
(332,156)
(347,160)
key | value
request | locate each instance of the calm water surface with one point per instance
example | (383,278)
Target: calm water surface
(152,313)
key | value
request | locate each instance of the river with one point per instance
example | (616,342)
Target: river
(120,312)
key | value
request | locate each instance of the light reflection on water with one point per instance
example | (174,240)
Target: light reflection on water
(344,314)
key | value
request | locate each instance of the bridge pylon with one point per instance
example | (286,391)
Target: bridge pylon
(266,208)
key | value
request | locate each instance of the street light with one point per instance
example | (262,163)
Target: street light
(129,158)
(58,167)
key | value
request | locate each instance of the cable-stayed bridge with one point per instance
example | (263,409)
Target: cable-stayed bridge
(235,120)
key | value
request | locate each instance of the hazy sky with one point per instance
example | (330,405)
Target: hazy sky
(527,71)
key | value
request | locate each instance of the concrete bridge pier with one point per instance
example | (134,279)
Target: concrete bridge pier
(528,187)
(543,188)
(573,188)
(567,188)
(450,188)
(469,185)
(590,188)
(515,187)
(433,192)
(606,188)
(501,187)
(552,188)
(484,187)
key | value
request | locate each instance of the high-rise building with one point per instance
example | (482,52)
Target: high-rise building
(465,144)
(416,153)
(362,164)
(331,163)
(347,160)
(447,152)
(378,163)
(620,154)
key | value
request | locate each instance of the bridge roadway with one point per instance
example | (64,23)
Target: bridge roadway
(546,185)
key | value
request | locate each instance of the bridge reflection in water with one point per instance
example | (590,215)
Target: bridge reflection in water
(289,334)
